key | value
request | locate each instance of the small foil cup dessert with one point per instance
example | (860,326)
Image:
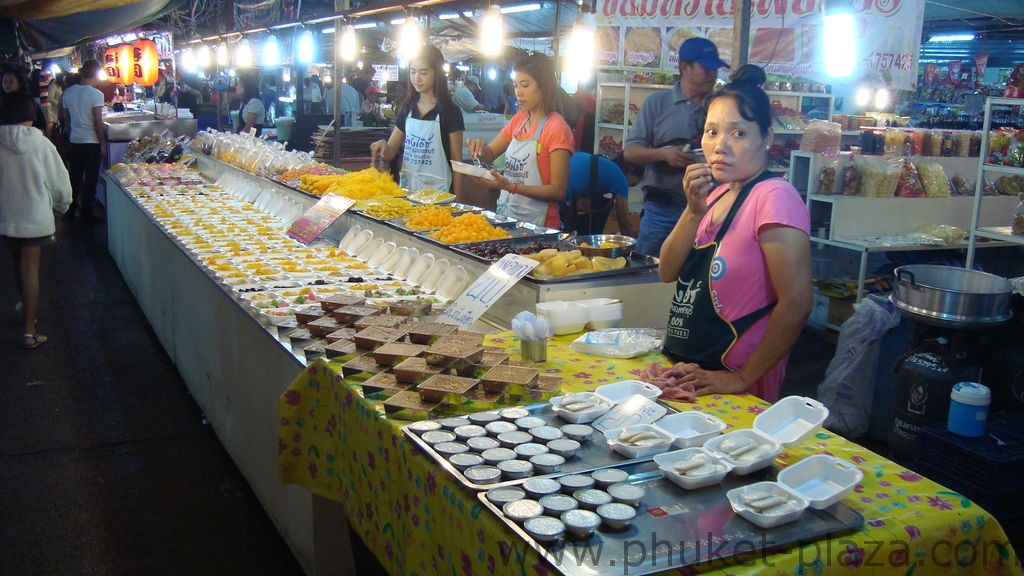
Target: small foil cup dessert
(616,516)
(544,529)
(514,438)
(495,455)
(464,433)
(573,482)
(500,427)
(453,422)
(606,476)
(424,426)
(558,504)
(483,474)
(482,443)
(538,488)
(501,496)
(519,511)
(530,449)
(564,447)
(513,414)
(545,433)
(580,524)
(483,418)
(464,460)
(578,432)
(447,449)
(528,422)
(515,469)
(547,463)
(628,494)
(591,498)
(438,436)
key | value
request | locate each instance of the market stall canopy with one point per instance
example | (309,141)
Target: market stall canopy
(46,25)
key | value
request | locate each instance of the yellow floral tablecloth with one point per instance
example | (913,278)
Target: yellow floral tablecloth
(418,519)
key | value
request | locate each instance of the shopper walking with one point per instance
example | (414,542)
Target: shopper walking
(14,81)
(33,185)
(82,110)
(668,127)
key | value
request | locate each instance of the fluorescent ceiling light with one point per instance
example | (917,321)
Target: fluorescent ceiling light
(840,45)
(398,21)
(952,38)
(448,16)
(520,8)
(328,30)
(365,25)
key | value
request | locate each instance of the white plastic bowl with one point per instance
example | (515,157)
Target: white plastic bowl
(631,451)
(277,316)
(666,460)
(692,428)
(740,507)
(565,317)
(823,480)
(758,458)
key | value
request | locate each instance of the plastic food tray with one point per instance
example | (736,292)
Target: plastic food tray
(592,455)
(700,526)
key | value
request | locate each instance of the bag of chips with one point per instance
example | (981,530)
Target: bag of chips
(933,178)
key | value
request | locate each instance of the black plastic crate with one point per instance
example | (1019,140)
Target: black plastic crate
(979,463)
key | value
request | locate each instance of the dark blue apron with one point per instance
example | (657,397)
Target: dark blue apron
(697,333)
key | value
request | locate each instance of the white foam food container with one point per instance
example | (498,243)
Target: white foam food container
(822,479)
(663,441)
(667,460)
(738,500)
(692,428)
(763,452)
(608,397)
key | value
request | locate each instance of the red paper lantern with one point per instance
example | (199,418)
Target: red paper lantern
(145,62)
(124,64)
(110,65)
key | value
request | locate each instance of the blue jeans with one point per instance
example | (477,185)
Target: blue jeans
(657,221)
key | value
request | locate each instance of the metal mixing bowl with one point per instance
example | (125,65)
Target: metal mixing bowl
(623,245)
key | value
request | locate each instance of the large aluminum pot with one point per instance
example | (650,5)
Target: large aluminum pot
(947,295)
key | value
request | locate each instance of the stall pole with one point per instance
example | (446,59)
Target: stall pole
(740,34)
(554,33)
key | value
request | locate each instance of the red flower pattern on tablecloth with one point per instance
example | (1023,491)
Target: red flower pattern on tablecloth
(908,476)
(939,502)
(292,397)
(853,557)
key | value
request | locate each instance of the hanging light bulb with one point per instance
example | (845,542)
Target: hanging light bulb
(492,32)
(271,53)
(863,96)
(222,54)
(306,47)
(840,40)
(410,39)
(243,54)
(203,56)
(286,75)
(349,46)
(327,78)
(881,99)
(359,64)
(579,59)
(188,60)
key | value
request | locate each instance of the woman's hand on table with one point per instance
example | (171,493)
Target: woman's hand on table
(716,382)
(697,184)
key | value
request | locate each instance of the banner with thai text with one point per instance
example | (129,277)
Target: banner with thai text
(785,36)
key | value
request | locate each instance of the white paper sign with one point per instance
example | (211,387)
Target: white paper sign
(487,289)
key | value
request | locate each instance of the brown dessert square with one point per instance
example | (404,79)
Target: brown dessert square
(491,359)
(392,353)
(322,326)
(307,314)
(314,350)
(381,320)
(361,364)
(441,386)
(341,334)
(414,370)
(340,301)
(453,355)
(340,348)
(383,383)
(498,378)
(412,308)
(409,404)
(373,337)
(520,363)
(349,314)
(467,338)
(429,332)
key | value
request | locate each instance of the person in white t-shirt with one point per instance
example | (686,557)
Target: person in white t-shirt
(253,112)
(82,110)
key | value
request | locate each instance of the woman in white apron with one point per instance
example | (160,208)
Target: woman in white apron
(537,143)
(429,128)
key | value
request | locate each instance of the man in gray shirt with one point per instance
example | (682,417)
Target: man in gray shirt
(669,125)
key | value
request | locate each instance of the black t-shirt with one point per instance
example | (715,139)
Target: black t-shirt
(450,118)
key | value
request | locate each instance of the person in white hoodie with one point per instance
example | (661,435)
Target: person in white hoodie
(33,185)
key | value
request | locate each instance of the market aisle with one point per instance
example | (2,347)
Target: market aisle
(106,466)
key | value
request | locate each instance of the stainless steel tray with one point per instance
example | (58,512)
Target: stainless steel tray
(634,263)
(592,455)
(513,244)
(515,229)
(675,528)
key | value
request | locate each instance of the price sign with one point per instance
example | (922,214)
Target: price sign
(487,289)
(319,217)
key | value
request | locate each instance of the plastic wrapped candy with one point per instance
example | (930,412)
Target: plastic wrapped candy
(933,178)
(909,185)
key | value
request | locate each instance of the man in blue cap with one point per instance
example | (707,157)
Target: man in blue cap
(664,137)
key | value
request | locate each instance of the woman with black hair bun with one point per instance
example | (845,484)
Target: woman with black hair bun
(749,74)
(739,254)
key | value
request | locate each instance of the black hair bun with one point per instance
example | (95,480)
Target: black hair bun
(749,75)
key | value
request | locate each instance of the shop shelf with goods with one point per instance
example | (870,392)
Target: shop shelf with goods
(847,230)
(618,104)
(1000,163)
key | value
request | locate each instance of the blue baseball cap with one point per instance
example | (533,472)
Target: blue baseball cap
(703,52)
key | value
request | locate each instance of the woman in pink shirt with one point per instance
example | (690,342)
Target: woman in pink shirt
(739,254)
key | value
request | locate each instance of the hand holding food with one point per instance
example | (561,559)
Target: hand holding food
(697,184)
